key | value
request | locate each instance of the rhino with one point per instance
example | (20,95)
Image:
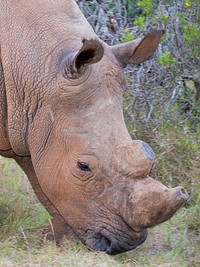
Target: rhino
(61,119)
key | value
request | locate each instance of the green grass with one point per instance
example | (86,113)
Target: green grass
(175,243)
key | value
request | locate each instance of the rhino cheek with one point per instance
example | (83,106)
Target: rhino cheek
(97,223)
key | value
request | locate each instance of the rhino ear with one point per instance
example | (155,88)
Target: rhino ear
(139,50)
(91,52)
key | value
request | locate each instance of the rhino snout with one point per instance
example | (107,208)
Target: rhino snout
(114,243)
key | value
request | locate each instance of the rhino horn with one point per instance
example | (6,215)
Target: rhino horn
(135,158)
(155,203)
(139,50)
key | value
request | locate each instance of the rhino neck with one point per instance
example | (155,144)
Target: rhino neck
(17,112)
(4,140)
(32,40)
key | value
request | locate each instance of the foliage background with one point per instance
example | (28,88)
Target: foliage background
(161,107)
(168,86)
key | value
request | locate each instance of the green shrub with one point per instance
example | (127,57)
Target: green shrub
(166,59)
(147,6)
(128,36)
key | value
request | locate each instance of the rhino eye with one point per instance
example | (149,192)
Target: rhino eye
(83,166)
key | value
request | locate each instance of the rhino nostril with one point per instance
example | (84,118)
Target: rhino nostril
(148,150)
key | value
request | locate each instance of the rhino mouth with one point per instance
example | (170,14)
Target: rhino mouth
(114,244)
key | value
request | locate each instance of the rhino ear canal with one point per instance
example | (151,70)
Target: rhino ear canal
(139,50)
(91,52)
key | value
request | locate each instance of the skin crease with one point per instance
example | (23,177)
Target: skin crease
(61,92)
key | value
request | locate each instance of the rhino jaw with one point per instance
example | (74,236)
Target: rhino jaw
(114,244)
(151,203)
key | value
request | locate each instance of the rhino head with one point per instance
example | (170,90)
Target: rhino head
(69,87)
(90,168)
